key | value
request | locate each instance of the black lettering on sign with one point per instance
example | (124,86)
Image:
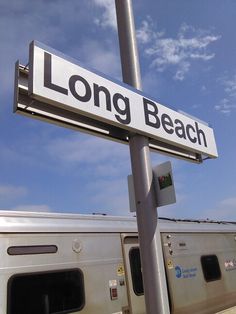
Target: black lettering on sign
(97,90)
(124,112)
(74,91)
(48,75)
(188,128)
(150,112)
(167,123)
(119,105)
(200,134)
(179,129)
(188,132)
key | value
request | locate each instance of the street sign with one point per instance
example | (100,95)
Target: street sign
(61,82)
(163,186)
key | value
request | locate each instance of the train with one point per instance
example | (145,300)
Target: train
(55,263)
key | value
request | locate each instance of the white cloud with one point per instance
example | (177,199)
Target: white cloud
(101,56)
(103,164)
(225,106)
(11,192)
(145,34)
(230,86)
(180,52)
(231,202)
(181,72)
(103,157)
(33,208)
(108,18)
(226,210)
(228,103)
(110,196)
(51,22)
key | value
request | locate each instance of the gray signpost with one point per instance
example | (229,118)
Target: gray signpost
(155,289)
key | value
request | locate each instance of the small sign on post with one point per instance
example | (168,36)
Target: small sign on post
(163,186)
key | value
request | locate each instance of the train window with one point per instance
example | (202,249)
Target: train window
(53,292)
(32,249)
(136,271)
(211,267)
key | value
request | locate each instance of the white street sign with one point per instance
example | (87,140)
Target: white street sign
(61,82)
(164,184)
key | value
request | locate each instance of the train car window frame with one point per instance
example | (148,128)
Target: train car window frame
(48,292)
(210,267)
(136,271)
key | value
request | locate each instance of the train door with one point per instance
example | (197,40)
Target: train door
(133,273)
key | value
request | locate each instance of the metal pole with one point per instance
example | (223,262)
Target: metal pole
(155,288)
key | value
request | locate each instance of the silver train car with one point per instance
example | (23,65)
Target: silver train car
(65,263)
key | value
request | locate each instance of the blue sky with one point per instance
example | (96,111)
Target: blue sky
(187,54)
